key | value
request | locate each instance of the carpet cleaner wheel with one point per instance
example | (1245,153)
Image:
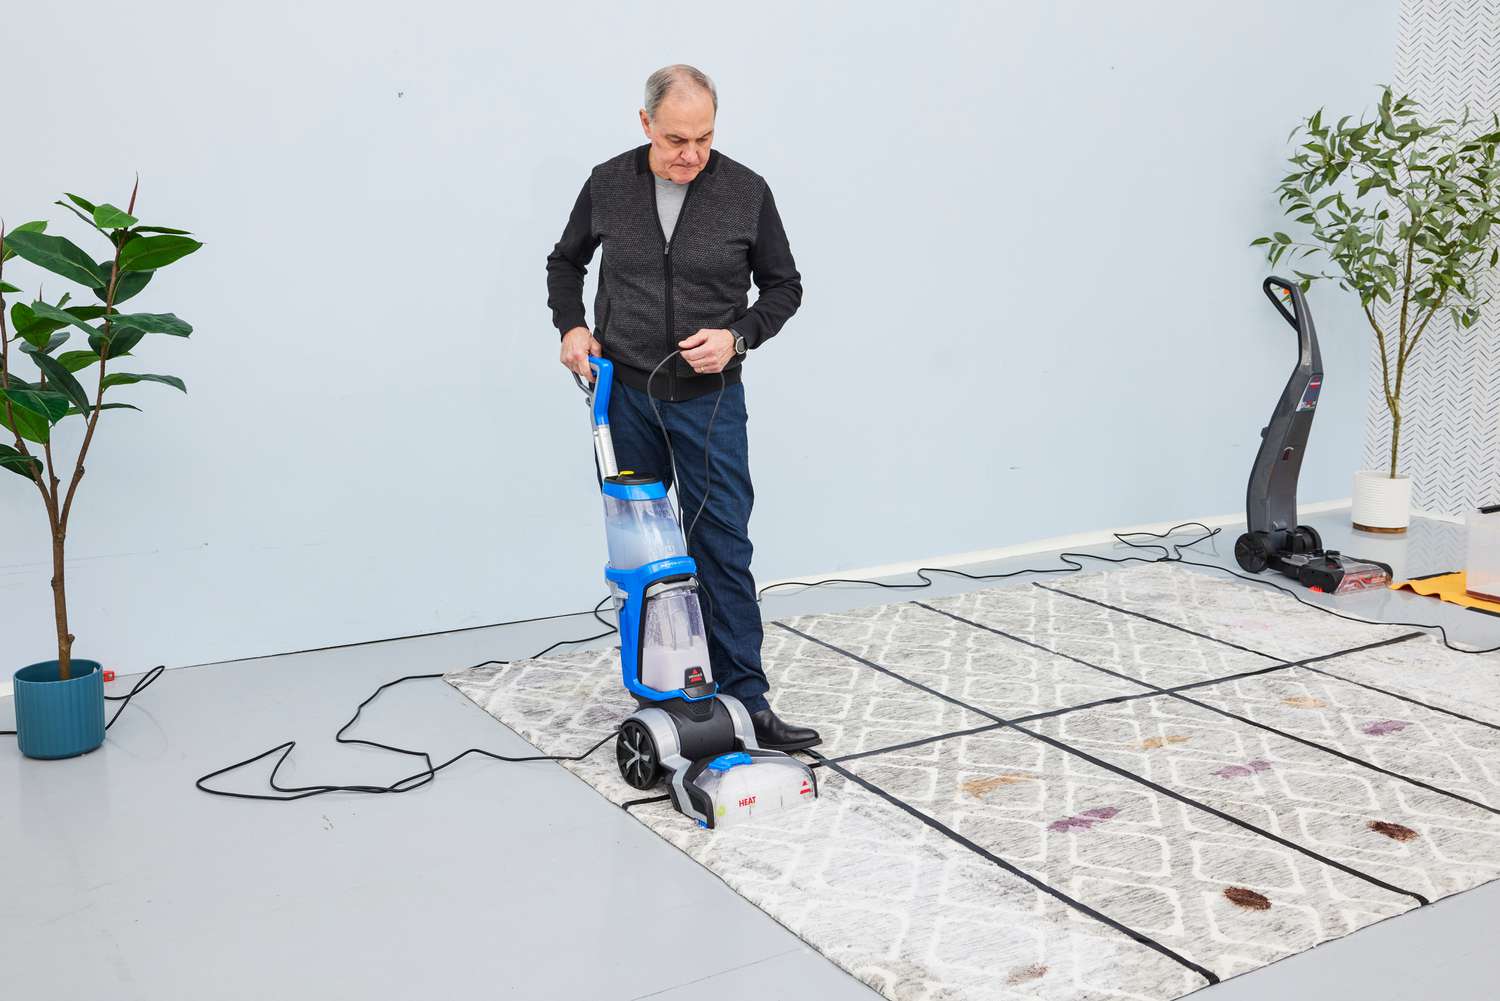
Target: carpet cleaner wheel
(635,753)
(1251,552)
(1305,539)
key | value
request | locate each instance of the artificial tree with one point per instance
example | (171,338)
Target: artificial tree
(31,411)
(1406,212)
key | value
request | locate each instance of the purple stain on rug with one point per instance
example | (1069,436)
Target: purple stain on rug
(1084,820)
(1240,771)
(1383,727)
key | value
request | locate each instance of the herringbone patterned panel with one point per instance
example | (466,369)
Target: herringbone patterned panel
(1448,57)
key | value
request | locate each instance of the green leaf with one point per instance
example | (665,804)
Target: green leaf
(62,379)
(57,255)
(148,253)
(162,229)
(74,411)
(45,403)
(27,424)
(29,327)
(1260,241)
(82,203)
(7,287)
(25,227)
(152,323)
(130,378)
(117,344)
(57,341)
(106,216)
(26,465)
(126,286)
(77,361)
(1282,238)
(60,316)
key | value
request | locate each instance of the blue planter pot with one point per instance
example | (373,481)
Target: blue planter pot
(59,719)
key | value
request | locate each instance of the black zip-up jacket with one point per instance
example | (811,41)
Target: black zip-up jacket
(654,293)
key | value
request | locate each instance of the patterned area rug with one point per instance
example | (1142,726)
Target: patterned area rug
(1128,784)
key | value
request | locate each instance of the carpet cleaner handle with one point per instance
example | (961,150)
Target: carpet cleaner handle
(1280,291)
(598,394)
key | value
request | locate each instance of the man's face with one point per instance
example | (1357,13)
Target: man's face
(681,135)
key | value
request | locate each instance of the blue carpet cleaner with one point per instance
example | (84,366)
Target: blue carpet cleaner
(685,733)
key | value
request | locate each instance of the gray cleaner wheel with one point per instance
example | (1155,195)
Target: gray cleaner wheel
(635,753)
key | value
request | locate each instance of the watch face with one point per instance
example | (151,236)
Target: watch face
(739,344)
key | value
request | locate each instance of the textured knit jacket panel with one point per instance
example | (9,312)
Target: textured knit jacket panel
(654,293)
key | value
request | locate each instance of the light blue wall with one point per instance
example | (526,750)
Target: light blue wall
(1030,308)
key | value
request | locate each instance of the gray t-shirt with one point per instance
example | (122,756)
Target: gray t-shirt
(669,196)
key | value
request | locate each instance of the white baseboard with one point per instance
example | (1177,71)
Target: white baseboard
(1076,540)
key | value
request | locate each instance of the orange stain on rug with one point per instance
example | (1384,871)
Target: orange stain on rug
(1305,702)
(1152,743)
(1023,974)
(989,783)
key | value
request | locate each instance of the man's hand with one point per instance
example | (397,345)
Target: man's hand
(708,351)
(577,345)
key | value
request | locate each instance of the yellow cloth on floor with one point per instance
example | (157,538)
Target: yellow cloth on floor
(1448,587)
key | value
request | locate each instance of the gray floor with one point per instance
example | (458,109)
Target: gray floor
(122,881)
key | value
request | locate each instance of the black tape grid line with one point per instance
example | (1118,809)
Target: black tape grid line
(1009,867)
(1315,670)
(1114,700)
(1122,772)
(1222,712)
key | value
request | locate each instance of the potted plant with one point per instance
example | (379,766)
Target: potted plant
(60,703)
(1404,209)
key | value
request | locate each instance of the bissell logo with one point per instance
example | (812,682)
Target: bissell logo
(747,801)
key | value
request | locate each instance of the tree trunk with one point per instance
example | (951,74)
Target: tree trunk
(60,607)
(1395,440)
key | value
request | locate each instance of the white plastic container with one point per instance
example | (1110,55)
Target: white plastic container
(1483,566)
(640,531)
(674,649)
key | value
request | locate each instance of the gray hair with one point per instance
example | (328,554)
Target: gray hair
(662,81)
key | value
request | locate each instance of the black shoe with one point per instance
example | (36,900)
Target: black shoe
(775,735)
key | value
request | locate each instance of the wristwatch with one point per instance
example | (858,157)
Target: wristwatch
(739,342)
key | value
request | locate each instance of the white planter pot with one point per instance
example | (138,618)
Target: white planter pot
(1381,503)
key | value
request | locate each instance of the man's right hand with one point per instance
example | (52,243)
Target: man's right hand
(577,345)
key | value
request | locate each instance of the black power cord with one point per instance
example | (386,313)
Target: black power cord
(124,700)
(1169,554)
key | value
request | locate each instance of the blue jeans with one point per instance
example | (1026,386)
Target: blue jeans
(719,541)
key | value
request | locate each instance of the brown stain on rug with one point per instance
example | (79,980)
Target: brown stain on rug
(1248,899)
(1024,974)
(1153,743)
(989,783)
(1305,702)
(1396,832)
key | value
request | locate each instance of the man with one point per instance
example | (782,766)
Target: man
(684,229)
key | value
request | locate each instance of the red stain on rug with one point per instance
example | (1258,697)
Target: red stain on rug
(1396,832)
(1248,899)
(1383,727)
